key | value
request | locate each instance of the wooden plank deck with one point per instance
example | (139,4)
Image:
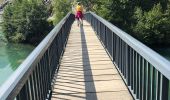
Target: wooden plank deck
(86,71)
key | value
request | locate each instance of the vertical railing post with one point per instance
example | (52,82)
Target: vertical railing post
(34,77)
(144,78)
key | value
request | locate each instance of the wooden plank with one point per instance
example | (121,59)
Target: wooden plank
(86,71)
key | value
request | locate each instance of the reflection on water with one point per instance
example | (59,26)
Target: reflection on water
(11,55)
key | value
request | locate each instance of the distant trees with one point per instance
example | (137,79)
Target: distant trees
(25,21)
(29,20)
(60,9)
(89,4)
(146,20)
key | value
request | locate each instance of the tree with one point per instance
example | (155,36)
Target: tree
(60,9)
(89,4)
(152,27)
(146,20)
(118,12)
(25,21)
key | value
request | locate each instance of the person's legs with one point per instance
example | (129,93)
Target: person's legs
(77,18)
(78,21)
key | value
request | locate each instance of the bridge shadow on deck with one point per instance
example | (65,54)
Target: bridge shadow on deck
(86,65)
(76,80)
(86,72)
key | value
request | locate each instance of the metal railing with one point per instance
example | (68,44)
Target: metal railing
(32,80)
(146,73)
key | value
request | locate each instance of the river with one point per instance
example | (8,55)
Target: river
(11,56)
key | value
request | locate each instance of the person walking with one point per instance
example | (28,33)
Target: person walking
(79,14)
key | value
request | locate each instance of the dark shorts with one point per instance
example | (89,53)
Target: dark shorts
(79,15)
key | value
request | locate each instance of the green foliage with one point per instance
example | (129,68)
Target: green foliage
(149,25)
(101,8)
(25,21)
(60,9)
(146,20)
(152,27)
(118,12)
(2,38)
(89,4)
(18,37)
(147,5)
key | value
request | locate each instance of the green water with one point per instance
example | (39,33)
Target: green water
(11,56)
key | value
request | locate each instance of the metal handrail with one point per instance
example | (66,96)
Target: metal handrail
(145,72)
(159,62)
(22,73)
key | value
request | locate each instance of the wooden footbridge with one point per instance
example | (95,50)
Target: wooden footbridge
(96,61)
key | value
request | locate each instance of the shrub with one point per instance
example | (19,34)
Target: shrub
(152,27)
(60,9)
(24,20)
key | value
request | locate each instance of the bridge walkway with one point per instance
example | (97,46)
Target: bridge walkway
(86,71)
